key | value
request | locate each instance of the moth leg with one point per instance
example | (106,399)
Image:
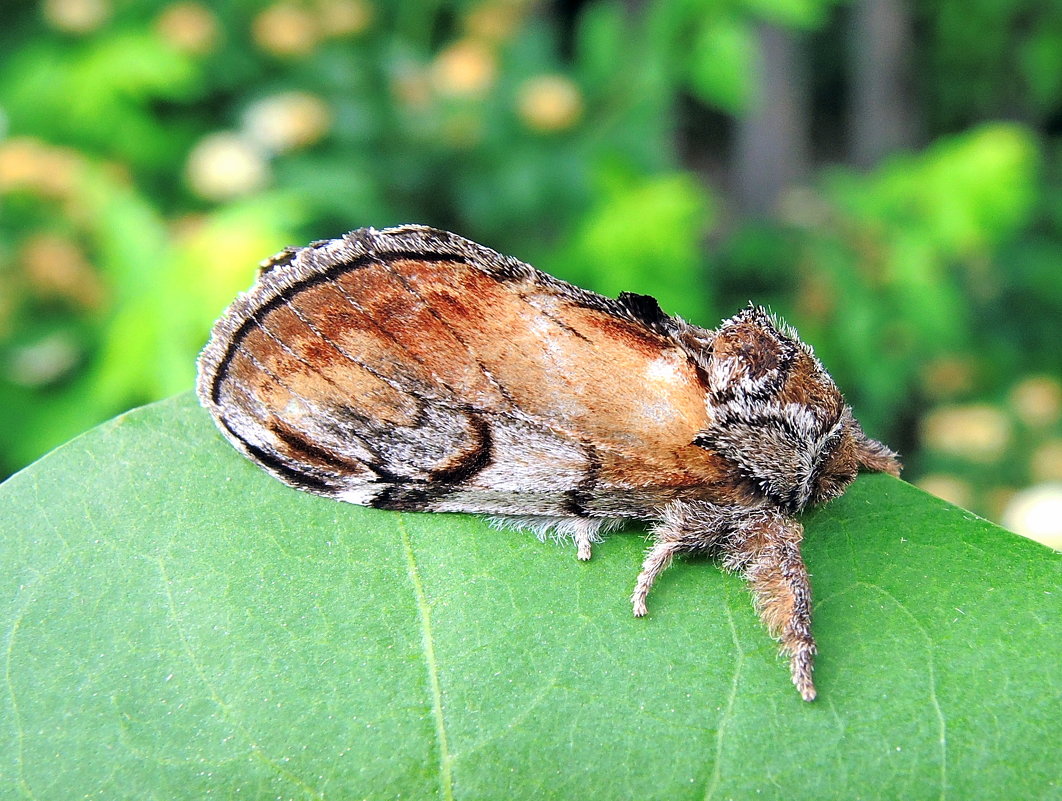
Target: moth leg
(761,544)
(584,532)
(683,528)
(766,551)
(656,562)
(583,545)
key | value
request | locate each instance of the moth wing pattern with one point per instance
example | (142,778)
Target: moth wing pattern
(404,369)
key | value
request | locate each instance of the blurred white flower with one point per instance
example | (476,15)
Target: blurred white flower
(76,16)
(1037,400)
(1036,513)
(44,361)
(226,165)
(976,431)
(287,121)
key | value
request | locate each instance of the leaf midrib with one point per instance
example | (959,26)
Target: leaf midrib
(431,665)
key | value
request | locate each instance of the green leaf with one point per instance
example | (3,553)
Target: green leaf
(723,64)
(643,232)
(806,14)
(179,625)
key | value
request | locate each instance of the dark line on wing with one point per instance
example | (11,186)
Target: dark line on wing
(273,377)
(322,277)
(399,498)
(372,321)
(552,318)
(351,415)
(298,443)
(332,344)
(472,462)
(287,349)
(453,332)
(578,498)
(562,325)
(381,473)
(296,477)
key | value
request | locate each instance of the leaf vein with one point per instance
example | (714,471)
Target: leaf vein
(428,643)
(942,727)
(215,696)
(728,711)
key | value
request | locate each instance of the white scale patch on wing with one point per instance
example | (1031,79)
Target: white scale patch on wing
(666,368)
(663,376)
(362,494)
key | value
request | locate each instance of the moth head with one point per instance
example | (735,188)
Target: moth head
(777,415)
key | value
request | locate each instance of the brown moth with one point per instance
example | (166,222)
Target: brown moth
(412,369)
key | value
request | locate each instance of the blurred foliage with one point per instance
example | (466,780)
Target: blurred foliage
(153,152)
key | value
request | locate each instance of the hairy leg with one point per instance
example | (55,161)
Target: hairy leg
(761,544)
(656,562)
(767,554)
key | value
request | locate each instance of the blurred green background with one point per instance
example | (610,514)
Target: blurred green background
(886,175)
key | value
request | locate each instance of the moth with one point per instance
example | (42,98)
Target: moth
(414,370)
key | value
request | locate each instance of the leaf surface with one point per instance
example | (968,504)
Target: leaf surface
(179,625)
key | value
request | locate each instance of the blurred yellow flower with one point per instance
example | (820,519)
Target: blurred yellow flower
(1036,513)
(287,121)
(56,267)
(978,432)
(285,29)
(1046,461)
(1037,400)
(950,488)
(549,103)
(190,27)
(76,16)
(226,165)
(494,21)
(344,17)
(464,69)
(28,163)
